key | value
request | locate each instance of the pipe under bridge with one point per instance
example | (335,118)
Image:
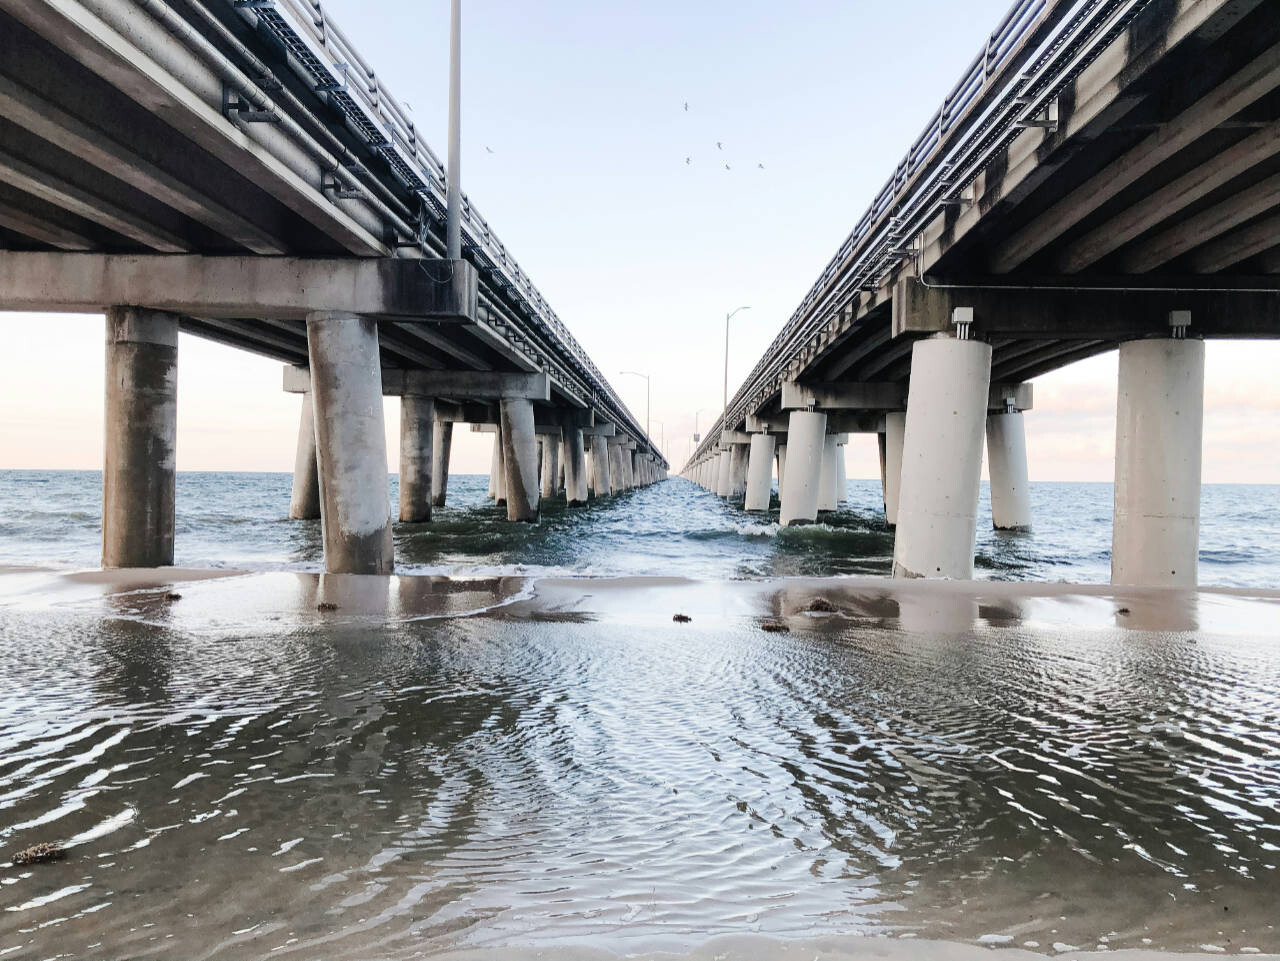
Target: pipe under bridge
(1106,175)
(234,169)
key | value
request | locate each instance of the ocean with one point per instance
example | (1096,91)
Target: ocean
(240,520)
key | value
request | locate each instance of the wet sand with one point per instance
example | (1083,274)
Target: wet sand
(231,603)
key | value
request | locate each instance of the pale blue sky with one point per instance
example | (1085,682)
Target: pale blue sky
(639,253)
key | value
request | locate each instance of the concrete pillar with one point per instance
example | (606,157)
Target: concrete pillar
(806,436)
(304,504)
(442,445)
(139,472)
(575,467)
(760,472)
(520,459)
(722,473)
(942,458)
(495,466)
(895,432)
(827,482)
(417,447)
(600,466)
(842,476)
(550,465)
(782,467)
(738,462)
(1007,463)
(1159,431)
(346,385)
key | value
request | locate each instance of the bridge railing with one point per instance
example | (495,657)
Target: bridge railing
(1038,47)
(319,45)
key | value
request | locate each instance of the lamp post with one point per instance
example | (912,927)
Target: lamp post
(636,373)
(727,318)
(453,188)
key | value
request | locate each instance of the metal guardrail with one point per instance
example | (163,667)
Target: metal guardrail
(317,45)
(1035,51)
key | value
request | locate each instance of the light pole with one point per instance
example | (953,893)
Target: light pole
(727,318)
(636,373)
(697,436)
(453,188)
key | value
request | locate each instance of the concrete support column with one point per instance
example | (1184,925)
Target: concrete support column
(495,466)
(417,447)
(550,466)
(827,482)
(1007,463)
(346,384)
(806,437)
(760,472)
(842,474)
(895,432)
(441,446)
(304,504)
(1159,432)
(520,459)
(723,478)
(738,456)
(139,469)
(942,458)
(600,466)
(782,467)
(575,467)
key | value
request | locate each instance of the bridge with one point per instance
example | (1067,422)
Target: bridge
(234,169)
(1105,176)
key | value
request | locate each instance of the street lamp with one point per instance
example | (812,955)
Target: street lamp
(453,185)
(636,373)
(727,318)
(696,435)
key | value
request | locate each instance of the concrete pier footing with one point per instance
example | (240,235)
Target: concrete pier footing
(842,473)
(139,468)
(781,454)
(1159,432)
(520,459)
(806,438)
(304,503)
(760,472)
(346,384)
(1007,464)
(827,499)
(495,466)
(417,448)
(942,458)
(441,446)
(575,467)
(600,483)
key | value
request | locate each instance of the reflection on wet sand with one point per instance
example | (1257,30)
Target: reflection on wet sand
(437,765)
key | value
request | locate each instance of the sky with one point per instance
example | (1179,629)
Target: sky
(575,140)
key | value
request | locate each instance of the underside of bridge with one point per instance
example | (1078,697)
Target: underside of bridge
(1106,176)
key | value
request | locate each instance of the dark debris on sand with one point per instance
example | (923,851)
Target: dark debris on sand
(173,596)
(40,854)
(682,618)
(821,605)
(775,627)
(326,606)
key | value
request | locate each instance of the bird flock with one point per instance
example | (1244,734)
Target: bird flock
(688,160)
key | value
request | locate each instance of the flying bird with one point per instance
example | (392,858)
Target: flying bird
(719,145)
(488,149)
(688,161)
(761,166)
(727,167)
(686,106)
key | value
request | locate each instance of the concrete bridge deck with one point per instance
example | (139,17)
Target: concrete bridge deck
(1105,175)
(237,171)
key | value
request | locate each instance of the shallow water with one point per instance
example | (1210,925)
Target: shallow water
(241,520)
(376,786)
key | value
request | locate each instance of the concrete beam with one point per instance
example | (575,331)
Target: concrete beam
(458,385)
(1058,314)
(770,423)
(465,413)
(282,288)
(601,429)
(844,396)
(566,417)
(1010,397)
